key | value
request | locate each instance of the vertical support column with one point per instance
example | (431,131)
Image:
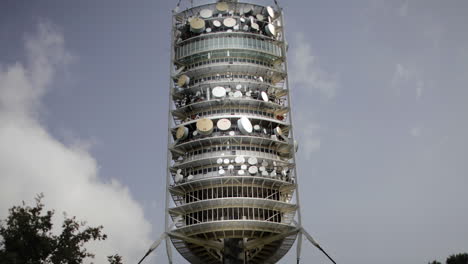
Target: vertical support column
(169,125)
(299,217)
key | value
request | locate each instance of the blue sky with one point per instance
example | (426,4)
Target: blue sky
(380,98)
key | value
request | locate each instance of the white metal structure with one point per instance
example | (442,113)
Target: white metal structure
(231,160)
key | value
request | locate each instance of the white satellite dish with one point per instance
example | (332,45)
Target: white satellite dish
(252,160)
(239,160)
(206,13)
(217,23)
(253,169)
(178,178)
(244,125)
(271,11)
(270,30)
(219,92)
(223,124)
(229,22)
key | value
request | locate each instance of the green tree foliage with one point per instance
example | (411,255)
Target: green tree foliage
(27,238)
(461,258)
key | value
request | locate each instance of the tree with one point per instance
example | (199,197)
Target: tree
(27,238)
(434,262)
(461,258)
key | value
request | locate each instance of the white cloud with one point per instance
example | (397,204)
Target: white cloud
(307,133)
(310,140)
(306,73)
(32,161)
(404,77)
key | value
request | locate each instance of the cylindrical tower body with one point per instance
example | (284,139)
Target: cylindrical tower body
(231,161)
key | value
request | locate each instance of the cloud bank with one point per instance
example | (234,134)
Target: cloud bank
(305,71)
(32,161)
(307,79)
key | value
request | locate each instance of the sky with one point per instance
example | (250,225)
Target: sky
(379,93)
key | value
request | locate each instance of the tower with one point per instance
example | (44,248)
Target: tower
(231,171)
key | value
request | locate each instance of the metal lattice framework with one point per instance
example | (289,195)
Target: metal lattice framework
(231,170)
(231,150)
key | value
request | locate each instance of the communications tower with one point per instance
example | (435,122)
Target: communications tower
(231,151)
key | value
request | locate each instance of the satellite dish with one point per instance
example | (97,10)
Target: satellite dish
(217,23)
(255,26)
(252,160)
(229,22)
(183,80)
(271,11)
(270,30)
(219,92)
(206,13)
(223,124)
(178,178)
(278,132)
(244,125)
(205,126)
(222,7)
(239,160)
(253,169)
(182,133)
(264,96)
(197,25)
